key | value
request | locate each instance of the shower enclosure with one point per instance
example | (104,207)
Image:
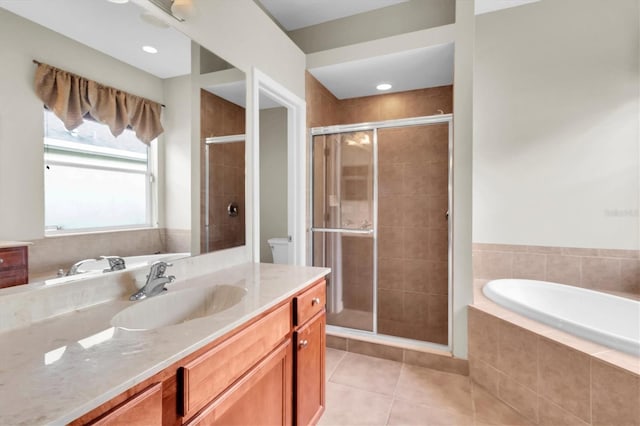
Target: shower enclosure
(222,202)
(380,201)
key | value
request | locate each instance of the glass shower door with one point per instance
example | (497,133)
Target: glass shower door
(343,236)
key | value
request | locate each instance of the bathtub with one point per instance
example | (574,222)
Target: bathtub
(602,318)
(97,267)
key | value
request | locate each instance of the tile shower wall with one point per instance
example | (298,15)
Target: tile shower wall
(324,109)
(599,269)
(412,244)
(413,232)
(222,118)
(357,272)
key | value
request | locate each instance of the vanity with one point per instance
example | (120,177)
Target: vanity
(258,359)
(14,263)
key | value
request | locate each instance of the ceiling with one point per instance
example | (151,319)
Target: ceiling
(408,70)
(120,30)
(296,14)
(115,29)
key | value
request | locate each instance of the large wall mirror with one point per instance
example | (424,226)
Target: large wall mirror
(125,47)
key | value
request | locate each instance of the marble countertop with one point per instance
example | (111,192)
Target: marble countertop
(56,370)
(12,244)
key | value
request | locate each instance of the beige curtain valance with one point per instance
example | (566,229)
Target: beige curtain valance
(71,97)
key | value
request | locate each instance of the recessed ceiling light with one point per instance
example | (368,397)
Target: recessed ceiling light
(119,1)
(149,49)
(383,86)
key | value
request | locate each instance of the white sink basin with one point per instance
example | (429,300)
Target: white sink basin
(176,307)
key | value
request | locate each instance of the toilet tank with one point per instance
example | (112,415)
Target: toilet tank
(279,250)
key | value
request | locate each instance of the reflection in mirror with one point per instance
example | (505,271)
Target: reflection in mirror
(222,153)
(85,43)
(274,211)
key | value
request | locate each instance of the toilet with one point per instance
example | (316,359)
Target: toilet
(279,250)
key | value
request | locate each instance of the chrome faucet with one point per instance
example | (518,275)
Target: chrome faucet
(156,281)
(116,263)
(75,268)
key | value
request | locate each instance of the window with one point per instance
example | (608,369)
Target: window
(94,180)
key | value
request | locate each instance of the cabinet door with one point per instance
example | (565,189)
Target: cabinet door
(262,397)
(309,371)
(142,409)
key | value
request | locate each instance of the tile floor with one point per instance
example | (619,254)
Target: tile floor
(363,390)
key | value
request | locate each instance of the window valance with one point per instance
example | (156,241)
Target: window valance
(71,97)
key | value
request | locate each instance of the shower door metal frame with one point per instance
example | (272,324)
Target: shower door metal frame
(374,126)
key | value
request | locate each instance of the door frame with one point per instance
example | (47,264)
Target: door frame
(296,162)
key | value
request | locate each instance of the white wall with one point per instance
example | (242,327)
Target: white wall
(556,125)
(177,153)
(273,178)
(21,113)
(242,34)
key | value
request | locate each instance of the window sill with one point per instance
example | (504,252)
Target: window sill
(95,231)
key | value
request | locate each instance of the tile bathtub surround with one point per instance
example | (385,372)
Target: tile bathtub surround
(435,360)
(599,269)
(403,394)
(549,377)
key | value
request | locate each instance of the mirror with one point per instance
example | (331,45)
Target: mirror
(103,41)
(222,154)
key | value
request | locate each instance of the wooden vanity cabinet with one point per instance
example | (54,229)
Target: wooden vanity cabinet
(309,359)
(142,409)
(14,266)
(269,371)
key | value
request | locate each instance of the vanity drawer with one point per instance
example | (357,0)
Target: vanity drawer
(13,277)
(13,257)
(14,267)
(206,377)
(309,303)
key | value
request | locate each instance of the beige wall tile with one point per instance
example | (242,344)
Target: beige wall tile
(390,273)
(630,276)
(336,342)
(484,374)
(530,266)
(615,395)
(601,273)
(417,275)
(552,415)
(416,308)
(390,304)
(437,362)
(389,210)
(490,410)
(390,242)
(564,269)
(375,350)
(517,354)
(439,278)
(519,397)
(492,265)
(417,243)
(620,359)
(414,210)
(565,378)
(483,336)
